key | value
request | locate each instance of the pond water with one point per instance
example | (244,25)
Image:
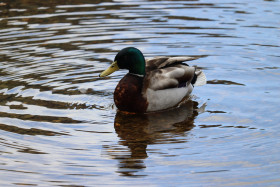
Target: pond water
(59,125)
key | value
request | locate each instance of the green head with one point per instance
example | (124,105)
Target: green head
(128,58)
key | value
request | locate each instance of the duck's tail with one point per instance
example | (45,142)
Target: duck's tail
(200,79)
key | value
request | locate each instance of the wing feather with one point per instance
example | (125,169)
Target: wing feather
(169,77)
(161,62)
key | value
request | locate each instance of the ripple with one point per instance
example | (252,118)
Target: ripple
(58,122)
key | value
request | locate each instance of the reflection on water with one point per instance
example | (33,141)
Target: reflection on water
(137,131)
(60,127)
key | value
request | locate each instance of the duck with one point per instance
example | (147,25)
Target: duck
(155,84)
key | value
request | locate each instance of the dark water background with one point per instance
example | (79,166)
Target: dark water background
(58,122)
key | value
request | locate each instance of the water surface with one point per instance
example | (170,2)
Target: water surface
(59,125)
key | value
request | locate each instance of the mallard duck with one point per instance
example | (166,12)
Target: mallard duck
(153,85)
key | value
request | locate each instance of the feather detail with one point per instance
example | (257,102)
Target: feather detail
(167,81)
(164,99)
(160,62)
(170,77)
(201,79)
(168,72)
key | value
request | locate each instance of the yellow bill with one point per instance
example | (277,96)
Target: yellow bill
(114,67)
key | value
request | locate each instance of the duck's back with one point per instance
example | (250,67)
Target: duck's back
(168,81)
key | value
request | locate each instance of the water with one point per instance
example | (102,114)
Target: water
(58,122)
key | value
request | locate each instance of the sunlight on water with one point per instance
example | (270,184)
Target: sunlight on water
(59,125)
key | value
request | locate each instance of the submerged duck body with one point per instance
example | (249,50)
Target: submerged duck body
(153,85)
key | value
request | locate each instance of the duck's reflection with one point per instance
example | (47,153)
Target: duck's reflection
(136,131)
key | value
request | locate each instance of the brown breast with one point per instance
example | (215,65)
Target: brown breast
(128,96)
